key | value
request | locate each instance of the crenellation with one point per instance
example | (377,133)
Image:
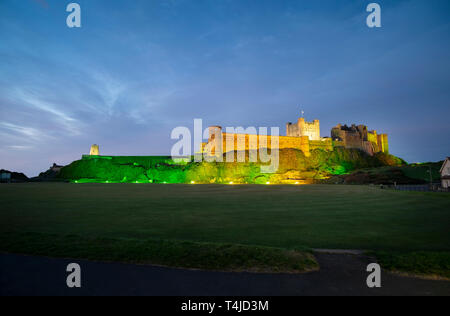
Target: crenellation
(302,135)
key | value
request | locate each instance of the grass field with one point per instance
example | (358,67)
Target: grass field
(283,217)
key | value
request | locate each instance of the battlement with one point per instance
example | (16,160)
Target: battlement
(303,135)
(304,128)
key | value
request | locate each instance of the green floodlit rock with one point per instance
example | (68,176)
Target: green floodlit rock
(293,167)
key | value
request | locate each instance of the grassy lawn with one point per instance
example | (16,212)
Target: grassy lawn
(278,217)
(181,254)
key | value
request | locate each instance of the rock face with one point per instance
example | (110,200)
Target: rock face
(15,176)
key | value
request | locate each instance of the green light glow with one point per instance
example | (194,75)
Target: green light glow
(294,168)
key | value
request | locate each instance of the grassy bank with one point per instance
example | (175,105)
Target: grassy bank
(182,254)
(293,166)
(427,264)
(406,174)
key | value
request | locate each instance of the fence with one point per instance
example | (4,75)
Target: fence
(435,187)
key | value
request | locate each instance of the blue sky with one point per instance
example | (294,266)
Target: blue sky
(137,69)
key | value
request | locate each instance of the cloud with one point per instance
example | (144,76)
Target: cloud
(65,120)
(22,131)
(20,147)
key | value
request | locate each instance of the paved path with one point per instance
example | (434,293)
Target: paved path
(339,275)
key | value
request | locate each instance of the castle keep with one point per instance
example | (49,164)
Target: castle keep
(302,135)
(359,137)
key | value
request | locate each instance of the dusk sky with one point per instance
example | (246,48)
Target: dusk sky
(135,70)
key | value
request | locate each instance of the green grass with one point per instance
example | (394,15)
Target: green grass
(421,263)
(407,174)
(422,171)
(182,254)
(284,217)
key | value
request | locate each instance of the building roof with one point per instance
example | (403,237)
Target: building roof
(443,165)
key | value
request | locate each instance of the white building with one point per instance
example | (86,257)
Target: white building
(445,173)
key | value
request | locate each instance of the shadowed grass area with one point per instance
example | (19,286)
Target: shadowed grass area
(317,216)
(285,217)
(427,264)
(181,254)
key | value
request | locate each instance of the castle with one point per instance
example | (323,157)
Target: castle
(302,135)
(360,137)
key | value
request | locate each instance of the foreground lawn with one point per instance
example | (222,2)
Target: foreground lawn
(428,264)
(284,217)
(180,254)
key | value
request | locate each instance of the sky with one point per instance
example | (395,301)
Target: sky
(136,70)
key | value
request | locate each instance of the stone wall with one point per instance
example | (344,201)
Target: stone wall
(358,137)
(241,142)
(304,136)
(324,144)
(245,142)
(383,143)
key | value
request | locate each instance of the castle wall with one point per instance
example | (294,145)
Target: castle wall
(372,137)
(383,143)
(353,140)
(292,130)
(358,137)
(369,147)
(303,136)
(324,144)
(241,142)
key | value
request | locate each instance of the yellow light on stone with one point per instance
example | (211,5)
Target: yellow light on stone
(192,182)
(231,182)
(267,182)
(95,150)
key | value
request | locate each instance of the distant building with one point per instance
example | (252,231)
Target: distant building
(5,177)
(95,150)
(445,174)
(56,168)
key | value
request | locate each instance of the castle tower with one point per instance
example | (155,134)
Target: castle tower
(383,143)
(215,141)
(304,128)
(95,150)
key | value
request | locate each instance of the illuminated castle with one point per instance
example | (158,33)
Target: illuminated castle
(303,135)
(360,137)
